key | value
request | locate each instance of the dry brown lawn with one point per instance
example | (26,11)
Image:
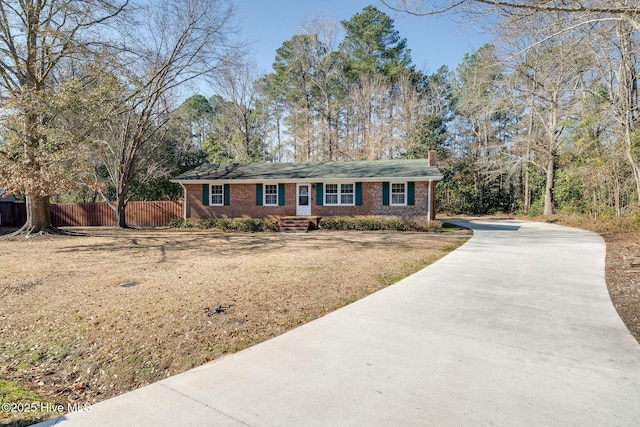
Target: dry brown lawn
(84,318)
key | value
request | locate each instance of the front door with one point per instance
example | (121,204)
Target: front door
(303,199)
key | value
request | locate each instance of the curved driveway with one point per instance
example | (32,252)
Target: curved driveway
(514,328)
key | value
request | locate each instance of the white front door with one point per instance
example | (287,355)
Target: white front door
(303,199)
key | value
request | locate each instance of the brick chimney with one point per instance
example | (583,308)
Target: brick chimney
(433,158)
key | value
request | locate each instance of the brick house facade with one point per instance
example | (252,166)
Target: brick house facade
(271,190)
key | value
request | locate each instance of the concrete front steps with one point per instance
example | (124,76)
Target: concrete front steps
(297,224)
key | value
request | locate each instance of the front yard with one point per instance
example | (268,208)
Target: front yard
(84,318)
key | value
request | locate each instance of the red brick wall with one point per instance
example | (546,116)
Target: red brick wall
(243,203)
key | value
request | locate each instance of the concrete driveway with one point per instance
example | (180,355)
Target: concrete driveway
(515,328)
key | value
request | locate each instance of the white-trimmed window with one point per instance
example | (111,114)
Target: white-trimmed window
(331,194)
(398,194)
(346,194)
(217,195)
(271,195)
(339,194)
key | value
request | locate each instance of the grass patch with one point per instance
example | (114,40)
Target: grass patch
(22,407)
(12,392)
(391,279)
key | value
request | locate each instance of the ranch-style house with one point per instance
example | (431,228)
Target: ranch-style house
(312,189)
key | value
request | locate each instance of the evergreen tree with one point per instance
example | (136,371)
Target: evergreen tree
(374,46)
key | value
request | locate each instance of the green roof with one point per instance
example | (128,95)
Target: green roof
(367,170)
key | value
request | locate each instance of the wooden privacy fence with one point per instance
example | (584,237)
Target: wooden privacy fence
(138,214)
(12,214)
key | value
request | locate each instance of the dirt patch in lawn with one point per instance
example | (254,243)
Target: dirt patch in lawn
(84,318)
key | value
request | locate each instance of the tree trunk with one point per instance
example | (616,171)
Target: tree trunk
(328,123)
(279,138)
(121,218)
(617,188)
(479,193)
(548,194)
(307,124)
(38,214)
(554,133)
(527,190)
(635,165)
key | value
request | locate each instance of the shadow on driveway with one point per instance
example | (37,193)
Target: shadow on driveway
(485,225)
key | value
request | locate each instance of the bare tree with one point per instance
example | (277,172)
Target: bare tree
(180,42)
(365,101)
(582,12)
(626,106)
(613,44)
(241,119)
(550,80)
(328,70)
(37,39)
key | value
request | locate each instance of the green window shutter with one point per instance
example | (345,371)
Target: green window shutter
(205,194)
(319,194)
(358,194)
(280,194)
(411,192)
(258,194)
(227,196)
(385,193)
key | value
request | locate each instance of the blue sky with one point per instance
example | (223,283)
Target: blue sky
(434,41)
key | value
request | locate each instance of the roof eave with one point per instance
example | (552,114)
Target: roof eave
(305,180)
